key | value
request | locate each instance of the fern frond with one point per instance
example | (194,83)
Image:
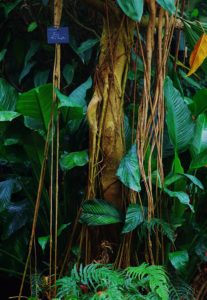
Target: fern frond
(156,277)
(67,287)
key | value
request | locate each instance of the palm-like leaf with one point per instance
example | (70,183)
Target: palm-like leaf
(99,212)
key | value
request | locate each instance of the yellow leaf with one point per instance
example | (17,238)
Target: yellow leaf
(198,55)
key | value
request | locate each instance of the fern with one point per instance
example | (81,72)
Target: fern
(67,287)
(102,282)
(97,274)
(156,277)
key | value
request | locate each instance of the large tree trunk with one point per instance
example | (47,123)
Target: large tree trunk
(105,111)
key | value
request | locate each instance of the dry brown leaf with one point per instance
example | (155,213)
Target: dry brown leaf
(198,55)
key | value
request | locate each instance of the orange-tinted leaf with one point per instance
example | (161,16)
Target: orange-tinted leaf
(198,55)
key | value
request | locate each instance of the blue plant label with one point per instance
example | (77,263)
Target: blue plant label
(57,35)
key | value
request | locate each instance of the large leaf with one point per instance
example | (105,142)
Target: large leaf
(172,178)
(17,215)
(179,259)
(68,73)
(198,55)
(134,217)
(36,103)
(181,196)
(199,160)
(77,97)
(168,5)
(8,96)
(6,190)
(71,160)
(132,8)
(199,104)
(6,116)
(99,212)
(28,64)
(199,143)
(178,117)
(128,171)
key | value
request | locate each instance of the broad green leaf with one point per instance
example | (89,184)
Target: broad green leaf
(77,98)
(179,259)
(128,171)
(176,177)
(90,43)
(99,212)
(132,8)
(68,73)
(32,26)
(191,82)
(199,104)
(178,117)
(2,54)
(41,78)
(34,124)
(36,103)
(8,116)
(181,196)
(199,161)
(8,96)
(71,160)
(199,143)
(134,217)
(168,5)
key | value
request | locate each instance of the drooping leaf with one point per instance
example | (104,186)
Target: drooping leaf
(178,117)
(181,196)
(2,54)
(28,64)
(199,104)
(36,103)
(179,259)
(134,217)
(88,44)
(172,178)
(128,171)
(43,240)
(9,6)
(71,160)
(17,215)
(8,96)
(41,78)
(166,228)
(199,160)
(132,8)
(68,73)
(199,143)
(168,5)
(6,190)
(99,212)
(198,55)
(77,97)
(7,116)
